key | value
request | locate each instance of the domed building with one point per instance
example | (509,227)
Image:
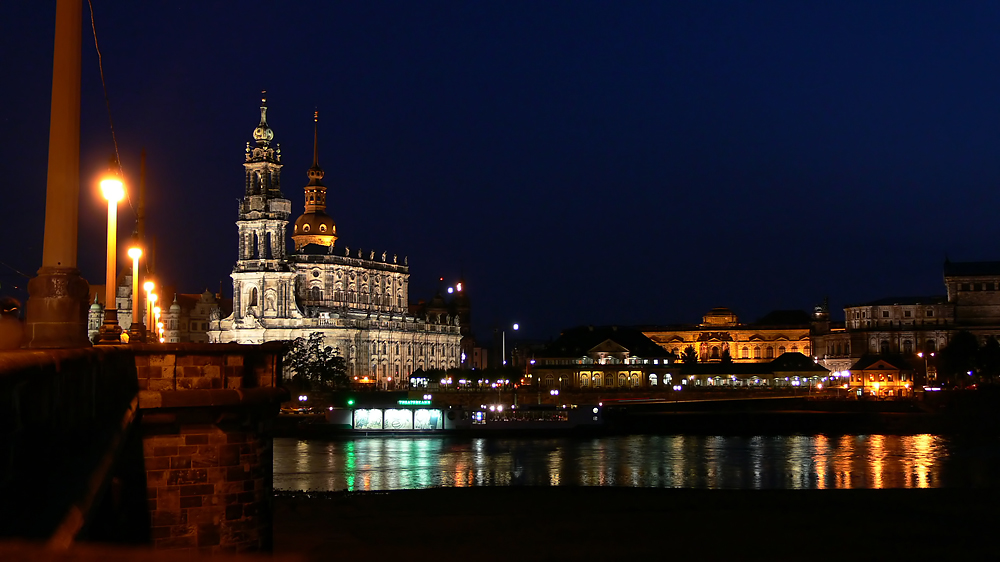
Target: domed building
(358,300)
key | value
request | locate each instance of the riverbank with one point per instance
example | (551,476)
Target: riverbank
(588,523)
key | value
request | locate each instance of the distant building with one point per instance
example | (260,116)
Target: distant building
(721,332)
(790,369)
(882,376)
(357,299)
(603,357)
(913,329)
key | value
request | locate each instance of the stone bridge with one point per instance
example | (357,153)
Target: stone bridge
(162,445)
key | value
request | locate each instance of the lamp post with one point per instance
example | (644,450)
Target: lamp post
(110,332)
(925,357)
(137,331)
(148,286)
(503,344)
(157,325)
(152,314)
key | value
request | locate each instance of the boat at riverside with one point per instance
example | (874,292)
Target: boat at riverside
(409,416)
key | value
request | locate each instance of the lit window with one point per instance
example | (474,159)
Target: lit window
(305,228)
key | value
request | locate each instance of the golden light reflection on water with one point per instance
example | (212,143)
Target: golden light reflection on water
(671,461)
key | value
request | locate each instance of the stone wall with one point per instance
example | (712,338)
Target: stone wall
(206,418)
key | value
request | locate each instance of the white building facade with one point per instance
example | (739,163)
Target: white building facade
(359,303)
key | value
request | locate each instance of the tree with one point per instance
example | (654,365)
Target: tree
(690,356)
(988,360)
(727,358)
(314,366)
(959,358)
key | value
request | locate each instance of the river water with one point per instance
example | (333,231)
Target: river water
(659,461)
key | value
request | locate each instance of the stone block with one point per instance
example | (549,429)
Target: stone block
(157,463)
(156,478)
(187,451)
(161,384)
(234,511)
(229,455)
(199,428)
(175,543)
(212,371)
(202,383)
(168,451)
(170,498)
(150,398)
(191,501)
(236,437)
(186,477)
(206,457)
(234,382)
(234,360)
(159,532)
(197,490)
(196,439)
(161,360)
(162,518)
(180,462)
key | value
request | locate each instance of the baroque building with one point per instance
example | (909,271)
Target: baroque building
(358,300)
(721,332)
(911,330)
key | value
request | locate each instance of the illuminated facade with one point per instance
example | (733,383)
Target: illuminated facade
(357,300)
(603,357)
(913,328)
(720,332)
(882,376)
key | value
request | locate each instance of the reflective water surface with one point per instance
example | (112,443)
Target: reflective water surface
(663,461)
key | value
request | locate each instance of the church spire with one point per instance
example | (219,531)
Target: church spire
(263,133)
(316,173)
(315,226)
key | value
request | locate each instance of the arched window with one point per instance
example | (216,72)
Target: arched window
(781,350)
(931,345)
(907,346)
(621,379)
(597,379)
(715,352)
(253,297)
(584,380)
(652,379)
(756,352)
(883,347)
(769,352)
(745,352)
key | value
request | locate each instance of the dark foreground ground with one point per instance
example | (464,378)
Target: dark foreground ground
(565,523)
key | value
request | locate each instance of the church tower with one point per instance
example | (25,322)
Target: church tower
(264,210)
(315,226)
(263,281)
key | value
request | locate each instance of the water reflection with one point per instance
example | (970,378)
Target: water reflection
(664,461)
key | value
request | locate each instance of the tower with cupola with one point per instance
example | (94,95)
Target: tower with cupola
(315,226)
(263,282)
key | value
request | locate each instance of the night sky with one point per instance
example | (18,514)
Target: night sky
(579,162)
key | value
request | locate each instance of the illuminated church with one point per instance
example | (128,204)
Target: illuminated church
(358,300)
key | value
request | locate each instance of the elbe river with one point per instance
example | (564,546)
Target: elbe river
(657,461)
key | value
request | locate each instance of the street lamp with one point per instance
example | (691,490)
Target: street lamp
(137,331)
(925,357)
(148,286)
(153,297)
(503,343)
(114,191)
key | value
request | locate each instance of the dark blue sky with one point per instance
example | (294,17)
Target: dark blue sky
(580,162)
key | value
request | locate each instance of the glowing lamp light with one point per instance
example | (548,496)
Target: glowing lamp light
(516,327)
(149,286)
(112,189)
(451,290)
(458,287)
(135,252)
